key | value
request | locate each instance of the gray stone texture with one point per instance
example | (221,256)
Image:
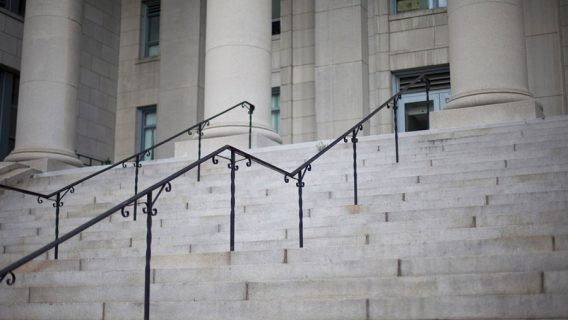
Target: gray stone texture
(182,59)
(341,65)
(138,80)
(98,79)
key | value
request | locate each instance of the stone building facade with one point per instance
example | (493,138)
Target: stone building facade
(106,78)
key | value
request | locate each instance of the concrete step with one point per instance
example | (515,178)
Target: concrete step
(458,307)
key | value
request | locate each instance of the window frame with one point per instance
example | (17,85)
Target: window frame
(432,5)
(145,43)
(17,7)
(275,111)
(276,18)
(143,113)
(9,90)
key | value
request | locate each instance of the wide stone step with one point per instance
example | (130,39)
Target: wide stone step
(458,307)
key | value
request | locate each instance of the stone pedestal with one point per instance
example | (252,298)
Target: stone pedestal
(238,66)
(49,80)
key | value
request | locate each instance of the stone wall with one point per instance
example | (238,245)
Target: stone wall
(406,41)
(96,105)
(138,80)
(297,51)
(544,55)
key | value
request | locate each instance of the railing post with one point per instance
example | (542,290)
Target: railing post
(137,166)
(233,166)
(427,84)
(300,184)
(250,111)
(149,213)
(199,135)
(354,141)
(395,109)
(57,205)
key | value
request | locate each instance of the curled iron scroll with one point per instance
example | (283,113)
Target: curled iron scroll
(11,278)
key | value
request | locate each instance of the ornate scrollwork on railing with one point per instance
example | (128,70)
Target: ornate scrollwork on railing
(286,179)
(154,211)
(165,187)
(11,278)
(214,160)
(124,213)
(249,162)
(70,190)
(230,166)
(39,200)
(301,174)
(136,164)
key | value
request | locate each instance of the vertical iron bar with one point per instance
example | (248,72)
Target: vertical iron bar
(427,81)
(233,164)
(199,134)
(354,141)
(137,166)
(149,213)
(57,205)
(300,185)
(251,108)
(395,108)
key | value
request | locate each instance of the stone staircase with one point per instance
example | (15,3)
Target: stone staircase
(471,224)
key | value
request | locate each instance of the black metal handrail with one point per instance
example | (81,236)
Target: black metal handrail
(153,192)
(137,158)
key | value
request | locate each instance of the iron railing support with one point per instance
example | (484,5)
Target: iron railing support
(250,111)
(354,141)
(149,212)
(57,204)
(137,166)
(395,109)
(427,84)
(199,136)
(301,184)
(233,166)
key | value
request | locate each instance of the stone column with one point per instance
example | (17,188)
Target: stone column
(487,53)
(238,66)
(49,79)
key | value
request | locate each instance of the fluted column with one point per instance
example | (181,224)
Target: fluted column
(238,66)
(487,53)
(49,80)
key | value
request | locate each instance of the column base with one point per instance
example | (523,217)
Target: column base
(188,149)
(227,129)
(487,97)
(486,114)
(45,159)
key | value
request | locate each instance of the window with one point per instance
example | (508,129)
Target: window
(276,109)
(9,85)
(275,17)
(413,112)
(147,131)
(15,6)
(150,28)
(402,6)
